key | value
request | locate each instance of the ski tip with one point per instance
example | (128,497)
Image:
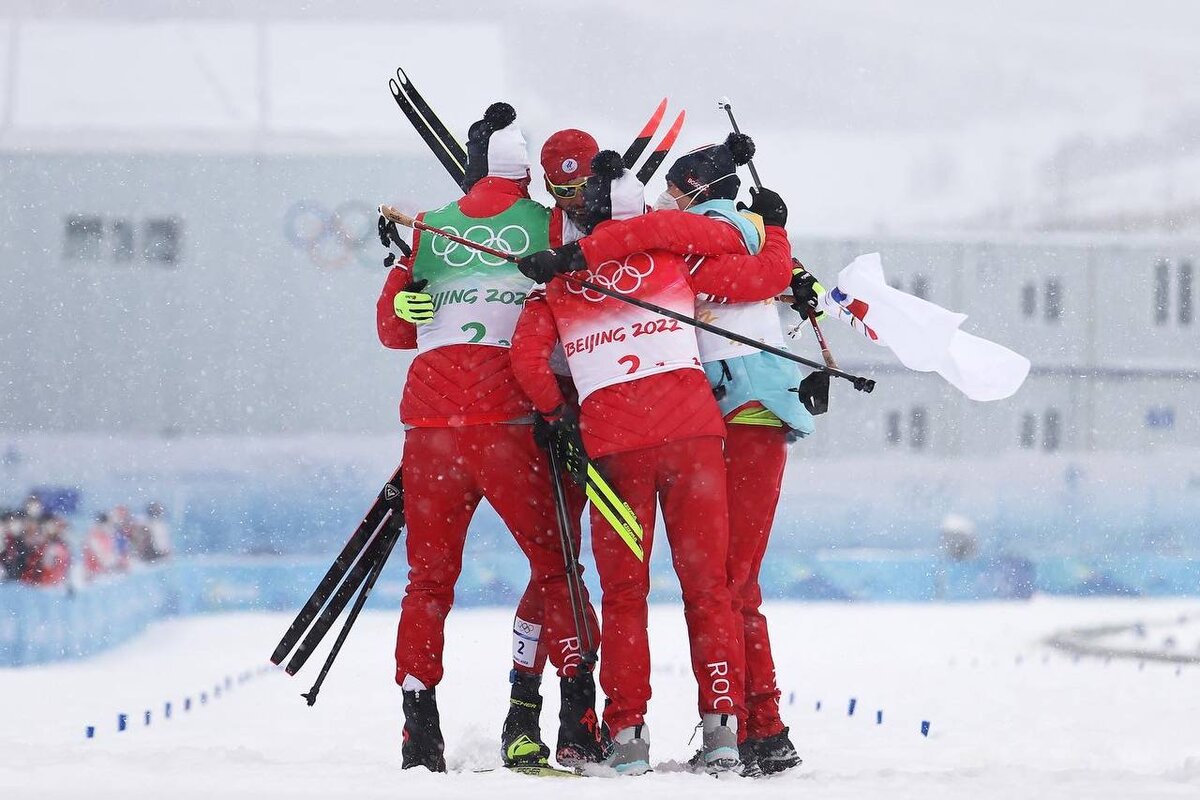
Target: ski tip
(652,124)
(395,87)
(672,134)
(402,76)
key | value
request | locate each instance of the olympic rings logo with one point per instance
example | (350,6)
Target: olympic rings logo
(624,276)
(511,239)
(333,239)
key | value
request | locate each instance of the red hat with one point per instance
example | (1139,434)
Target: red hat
(567,156)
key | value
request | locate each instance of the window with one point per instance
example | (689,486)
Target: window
(1029,300)
(83,237)
(1162,293)
(1028,433)
(920,287)
(161,240)
(1053,300)
(122,240)
(918,431)
(892,427)
(1185,293)
(1051,435)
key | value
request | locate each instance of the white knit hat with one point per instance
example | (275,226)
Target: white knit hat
(496,147)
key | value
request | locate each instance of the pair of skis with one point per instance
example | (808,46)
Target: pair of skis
(453,157)
(566,451)
(355,569)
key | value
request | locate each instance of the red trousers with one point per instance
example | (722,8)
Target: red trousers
(754,460)
(447,472)
(529,645)
(687,477)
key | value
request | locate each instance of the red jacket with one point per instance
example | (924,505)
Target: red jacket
(461,384)
(659,407)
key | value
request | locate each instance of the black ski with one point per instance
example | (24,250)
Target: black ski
(456,170)
(390,499)
(391,532)
(435,123)
(660,152)
(638,145)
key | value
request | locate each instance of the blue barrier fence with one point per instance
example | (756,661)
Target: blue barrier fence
(44,625)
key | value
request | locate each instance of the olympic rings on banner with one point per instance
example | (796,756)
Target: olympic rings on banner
(511,239)
(332,239)
(624,276)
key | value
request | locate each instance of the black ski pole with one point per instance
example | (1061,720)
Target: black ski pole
(826,353)
(862,384)
(390,497)
(571,562)
(392,532)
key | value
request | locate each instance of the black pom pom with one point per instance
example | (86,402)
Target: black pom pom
(499,115)
(741,147)
(607,164)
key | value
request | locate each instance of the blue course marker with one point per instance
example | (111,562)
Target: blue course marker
(924,727)
(147,717)
(850,710)
(122,722)
(818,705)
(791,698)
(187,704)
(167,709)
(879,717)
(203,698)
(91,732)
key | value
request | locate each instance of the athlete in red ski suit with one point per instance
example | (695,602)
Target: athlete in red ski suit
(459,402)
(649,419)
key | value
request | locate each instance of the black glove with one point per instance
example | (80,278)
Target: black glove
(804,289)
(814,392)
(390,237)
(768,205)
(542,266)
(560,430)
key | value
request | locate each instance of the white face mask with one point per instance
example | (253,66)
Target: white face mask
(675,200)
(666,202)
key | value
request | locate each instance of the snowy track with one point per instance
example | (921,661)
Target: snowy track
(1010,717)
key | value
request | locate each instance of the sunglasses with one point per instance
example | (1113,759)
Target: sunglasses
(567,191)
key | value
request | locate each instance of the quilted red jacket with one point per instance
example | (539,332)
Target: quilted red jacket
(666,406)
(462,384)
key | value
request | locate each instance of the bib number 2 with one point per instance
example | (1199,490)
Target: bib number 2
(477,331)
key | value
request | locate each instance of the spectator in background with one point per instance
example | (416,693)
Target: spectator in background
(49,559)
(99,548)
(158,534)
(124,535)
(14,549)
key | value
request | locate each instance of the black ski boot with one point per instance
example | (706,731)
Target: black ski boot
(579,740)
(749,756)
(521,738)
(423,745)
(776,753)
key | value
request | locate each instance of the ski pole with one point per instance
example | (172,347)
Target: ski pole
(812,315)
(860,383)
(571,561)
(393,533)
(390,497)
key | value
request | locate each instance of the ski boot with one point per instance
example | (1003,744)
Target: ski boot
(719,752)
(578,729)
(776,753)
(750,766)
(423,745)
(630,753)
(521,742)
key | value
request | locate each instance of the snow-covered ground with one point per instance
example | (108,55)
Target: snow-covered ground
(1009,716)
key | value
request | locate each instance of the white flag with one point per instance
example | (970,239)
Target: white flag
(925,336)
